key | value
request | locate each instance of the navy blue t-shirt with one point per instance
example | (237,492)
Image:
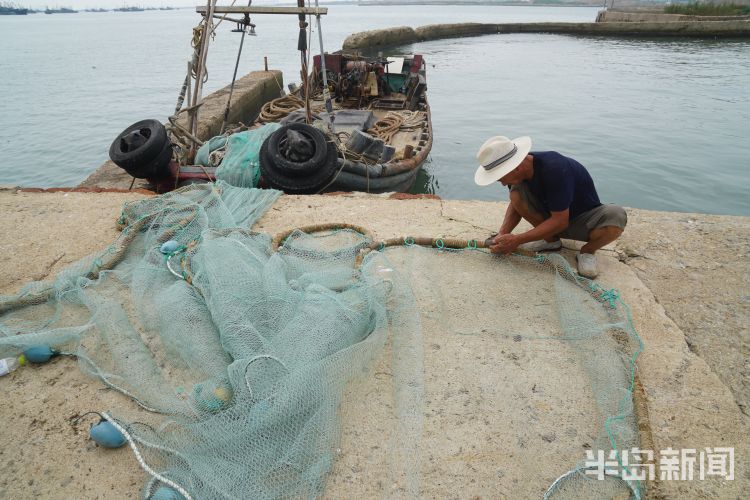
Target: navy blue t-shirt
(561,182)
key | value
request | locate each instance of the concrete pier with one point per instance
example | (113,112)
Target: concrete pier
(685,277)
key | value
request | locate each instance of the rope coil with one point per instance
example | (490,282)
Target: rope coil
(394,122)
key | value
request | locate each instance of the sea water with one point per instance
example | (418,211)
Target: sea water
(659,123)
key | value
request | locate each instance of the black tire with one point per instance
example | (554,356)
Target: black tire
(285,165)
(296,183)
(156,168)
(139,144)
(348,181)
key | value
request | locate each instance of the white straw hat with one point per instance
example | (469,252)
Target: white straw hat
(498,156)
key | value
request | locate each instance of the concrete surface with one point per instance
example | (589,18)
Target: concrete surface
(685,277)
(697,267)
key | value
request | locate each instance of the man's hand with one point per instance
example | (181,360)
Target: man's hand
(505,243)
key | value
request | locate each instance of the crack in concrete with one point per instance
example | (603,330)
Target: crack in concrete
(448,217)
(48,269)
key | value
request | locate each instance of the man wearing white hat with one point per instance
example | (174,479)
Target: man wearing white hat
(555,194)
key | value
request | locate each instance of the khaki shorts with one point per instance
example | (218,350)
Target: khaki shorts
(578,228)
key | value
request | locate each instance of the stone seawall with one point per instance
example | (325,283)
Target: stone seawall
(404,35)
(251,92)
(608,16)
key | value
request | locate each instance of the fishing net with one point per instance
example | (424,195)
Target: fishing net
(334,366)
(237,156)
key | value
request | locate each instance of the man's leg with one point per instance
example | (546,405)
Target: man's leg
(608,222)
(524,210)
(600,237)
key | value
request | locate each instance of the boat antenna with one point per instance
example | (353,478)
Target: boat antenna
(302,47)
(326,93)
(241,26)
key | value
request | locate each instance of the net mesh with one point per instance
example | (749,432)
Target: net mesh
(307,371)
(237,156)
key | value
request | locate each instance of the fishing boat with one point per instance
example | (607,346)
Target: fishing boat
(7,9)
(353,124)
(129,8)
(379,122)
(61,10)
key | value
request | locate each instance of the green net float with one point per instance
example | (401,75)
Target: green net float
(165,493)
(39,354)
(169,247)
(106,435)
(212,399)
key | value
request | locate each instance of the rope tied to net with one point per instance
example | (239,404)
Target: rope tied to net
(181,250)
(139,457)
(611,296)
(168,260)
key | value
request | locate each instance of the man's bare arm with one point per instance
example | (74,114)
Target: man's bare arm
(554,225)
(510,221)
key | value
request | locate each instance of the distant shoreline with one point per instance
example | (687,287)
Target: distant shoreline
(541,3)
(458,3)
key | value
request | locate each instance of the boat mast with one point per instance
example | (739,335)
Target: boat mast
(326,93)
(208,26)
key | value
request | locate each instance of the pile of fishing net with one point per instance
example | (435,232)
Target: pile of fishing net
(237,156)
(334,366)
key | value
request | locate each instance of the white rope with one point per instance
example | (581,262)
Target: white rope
(169,266)
(256,358)
(581,470)
(412,119)
(142,462)
(111,385)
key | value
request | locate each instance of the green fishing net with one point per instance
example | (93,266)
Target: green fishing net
(236,156)
(323,369)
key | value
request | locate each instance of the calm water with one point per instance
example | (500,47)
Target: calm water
(659,123)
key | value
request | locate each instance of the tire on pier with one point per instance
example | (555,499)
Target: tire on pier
(143,150)
(298,159)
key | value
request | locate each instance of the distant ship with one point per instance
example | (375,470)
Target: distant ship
(97,10)
(130,9)
(9,10)
(62,10)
